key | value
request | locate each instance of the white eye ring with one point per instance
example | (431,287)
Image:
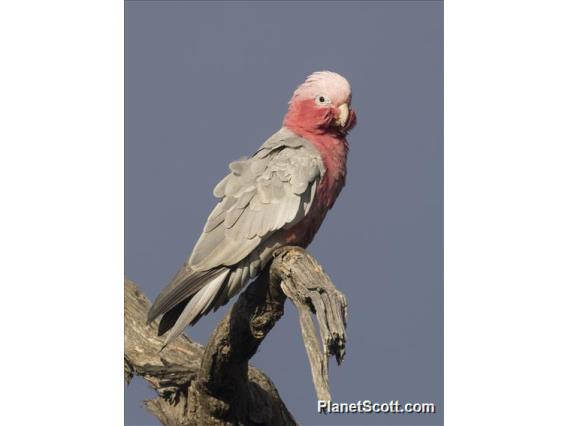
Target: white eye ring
(322,100)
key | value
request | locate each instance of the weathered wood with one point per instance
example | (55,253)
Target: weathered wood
(311,290)
(174,370)
(215,385)
(221,390)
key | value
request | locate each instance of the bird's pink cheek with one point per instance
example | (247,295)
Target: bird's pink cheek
(320,116)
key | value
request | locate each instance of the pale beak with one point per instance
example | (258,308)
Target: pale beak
(343,115)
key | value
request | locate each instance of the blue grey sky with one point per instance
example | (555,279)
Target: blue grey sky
(208,82)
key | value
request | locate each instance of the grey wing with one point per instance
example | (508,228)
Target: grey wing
(270,191)
(265,193)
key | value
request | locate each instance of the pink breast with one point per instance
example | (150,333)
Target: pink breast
(327,191)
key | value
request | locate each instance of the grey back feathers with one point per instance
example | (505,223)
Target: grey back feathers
(260,198)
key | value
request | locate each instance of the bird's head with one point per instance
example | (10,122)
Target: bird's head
(321,104)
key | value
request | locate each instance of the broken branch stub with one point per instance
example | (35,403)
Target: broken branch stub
(311,290)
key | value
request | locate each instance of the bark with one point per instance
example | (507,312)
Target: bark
(215,385)
(311,290)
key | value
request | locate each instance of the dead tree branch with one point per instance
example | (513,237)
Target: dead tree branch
(215,385)
(311,290)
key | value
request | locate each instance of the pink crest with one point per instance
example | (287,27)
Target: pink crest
(326,83)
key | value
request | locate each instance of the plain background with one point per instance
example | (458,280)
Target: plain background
(207,83)
(61,170)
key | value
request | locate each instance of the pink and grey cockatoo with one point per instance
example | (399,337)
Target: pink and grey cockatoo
(277,197)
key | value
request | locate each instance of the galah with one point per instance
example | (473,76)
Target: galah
(277,197)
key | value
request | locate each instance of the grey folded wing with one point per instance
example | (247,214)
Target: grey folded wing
(271,190)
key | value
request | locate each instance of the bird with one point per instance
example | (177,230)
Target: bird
(277,197)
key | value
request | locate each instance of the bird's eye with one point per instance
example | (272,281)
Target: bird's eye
(322,100)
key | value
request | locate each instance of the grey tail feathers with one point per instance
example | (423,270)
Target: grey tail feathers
(190,311)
